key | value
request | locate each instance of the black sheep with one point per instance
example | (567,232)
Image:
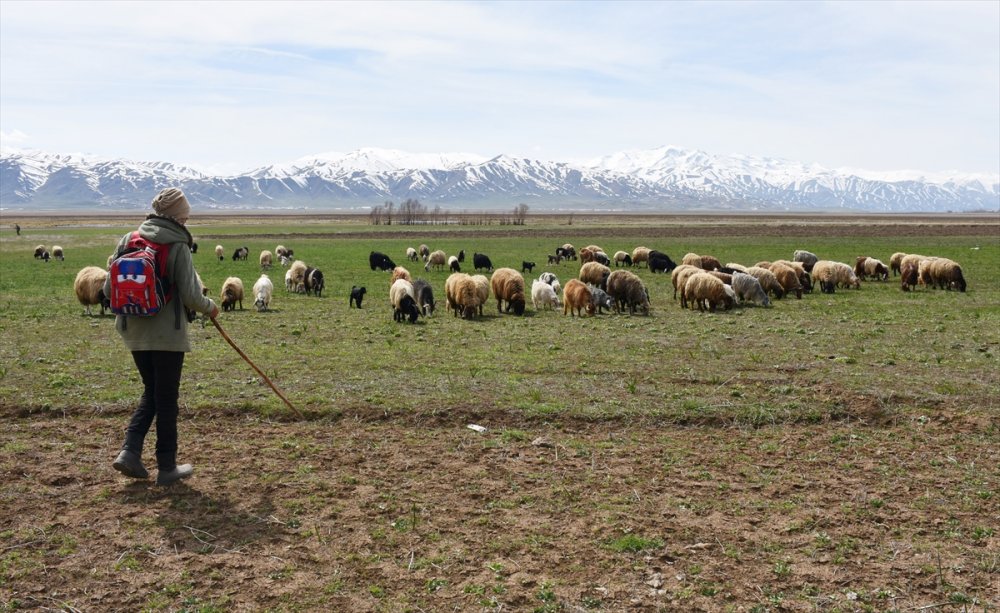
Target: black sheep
(660,262)
(380,261)
(480,260)
(313,281)
(461,255)
(425,296)
(527,266)
(194,247)
(357,295)
(407,310)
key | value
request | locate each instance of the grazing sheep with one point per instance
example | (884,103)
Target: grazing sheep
(543,295)
(45,256)
(725,277)
(594,273)
(285,260)
(555,259)
(266,259)
(909,275)
(875,269)
(482,290)
(692,259)
(586,255)
(709,262)
(767,281)
(89,288)
(289,280)
(508,286)
(424,251)
(748,289)
(297,273)
(627,289)
(805,279)
(404,305)
(808,259)
(57,253)
(657,261)
(527,266)
(263,289)
(482,261)
(436,259)
(640,255)
(895,262)
(707,292)
(462,295)
(313,281)
(947,274)
(280,251)
(232,293)
(357,295)
(424,296)
(601,299)
(788,279)
(734,266)
(602,258)
(567,251)
(576,298)
(380,261)
(219,252)
(453,264)
(201,284)
(622,259)
(39,250)
(399,273)
(679,276)
(550,278)
(831,275)
(411,254)
(241,254)
(461,255)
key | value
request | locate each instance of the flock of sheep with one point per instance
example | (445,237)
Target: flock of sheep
(700,281)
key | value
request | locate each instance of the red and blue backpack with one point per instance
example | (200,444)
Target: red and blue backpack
(139,284)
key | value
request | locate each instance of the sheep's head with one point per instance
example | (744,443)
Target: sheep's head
(517,303)
(469,312)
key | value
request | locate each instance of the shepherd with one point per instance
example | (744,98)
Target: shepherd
(158,342)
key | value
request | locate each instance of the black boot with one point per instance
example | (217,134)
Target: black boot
(130,465)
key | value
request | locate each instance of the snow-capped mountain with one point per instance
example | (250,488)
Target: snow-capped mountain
(665,178)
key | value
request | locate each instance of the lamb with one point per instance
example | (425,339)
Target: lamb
(748,289)
(543,295)
(808,259)
(627,289)
(297,274)
(947,274)
(600,299)
(404,305)
(896,261)
(241,254)
(399,273)
(527,266)
(594,274)
(707,292)
(508,286)
(482,290)
(380,261)
(424,296)
(576,298)
(767,281)
(555,259)
(436,259)
(876,269)
(659,262)
(480,261)
(39,250)
(232,293)
(622,259)
(89,288)
(788,279)
(219,253)
(57,253)
(832,274)
(453,264)
(679,276)
(263,289)
(411,254)
(461,255)
(640,255)
(357,295)
(462,294)
(313,281)
(266,259)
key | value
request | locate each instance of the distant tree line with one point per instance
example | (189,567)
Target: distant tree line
(413,212)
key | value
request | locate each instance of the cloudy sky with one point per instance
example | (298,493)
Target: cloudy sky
(231,86)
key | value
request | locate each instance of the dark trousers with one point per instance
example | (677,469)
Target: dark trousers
(161,382)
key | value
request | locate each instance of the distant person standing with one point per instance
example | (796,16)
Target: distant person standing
(158,343)
(17,229)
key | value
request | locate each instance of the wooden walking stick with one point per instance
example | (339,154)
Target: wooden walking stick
(259,371)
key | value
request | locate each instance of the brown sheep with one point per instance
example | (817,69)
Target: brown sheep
(768,282)
(586,255)
(805,279)
(640,254)
(859,266)
(626,289)
(679,277)
(787,278)
(89,288)
(947,274)
(482,290)
(830,275)
(232,293)
(594,274)
(896,262)
(908,275)
(424,252)
(462,295)
(721,276)
(692,259)
(266,259)
(438,259)
(707,292)
(508,286)
(576,296)
(399,273)
(924,271)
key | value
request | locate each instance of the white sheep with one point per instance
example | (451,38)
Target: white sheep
(57,253)
(289,280)
(219,251)
(89,288)
(298,276)
(543,295)
(411,254)
(263,289)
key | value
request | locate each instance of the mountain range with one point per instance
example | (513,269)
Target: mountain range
(661,179)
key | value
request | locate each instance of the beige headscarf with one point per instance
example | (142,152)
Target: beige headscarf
(172,203)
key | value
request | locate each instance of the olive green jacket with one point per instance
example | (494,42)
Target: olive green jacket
(161,332)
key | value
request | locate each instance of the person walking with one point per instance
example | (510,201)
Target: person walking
(17,228)
(158,343)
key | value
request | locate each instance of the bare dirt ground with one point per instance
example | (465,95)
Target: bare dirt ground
(881,510)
